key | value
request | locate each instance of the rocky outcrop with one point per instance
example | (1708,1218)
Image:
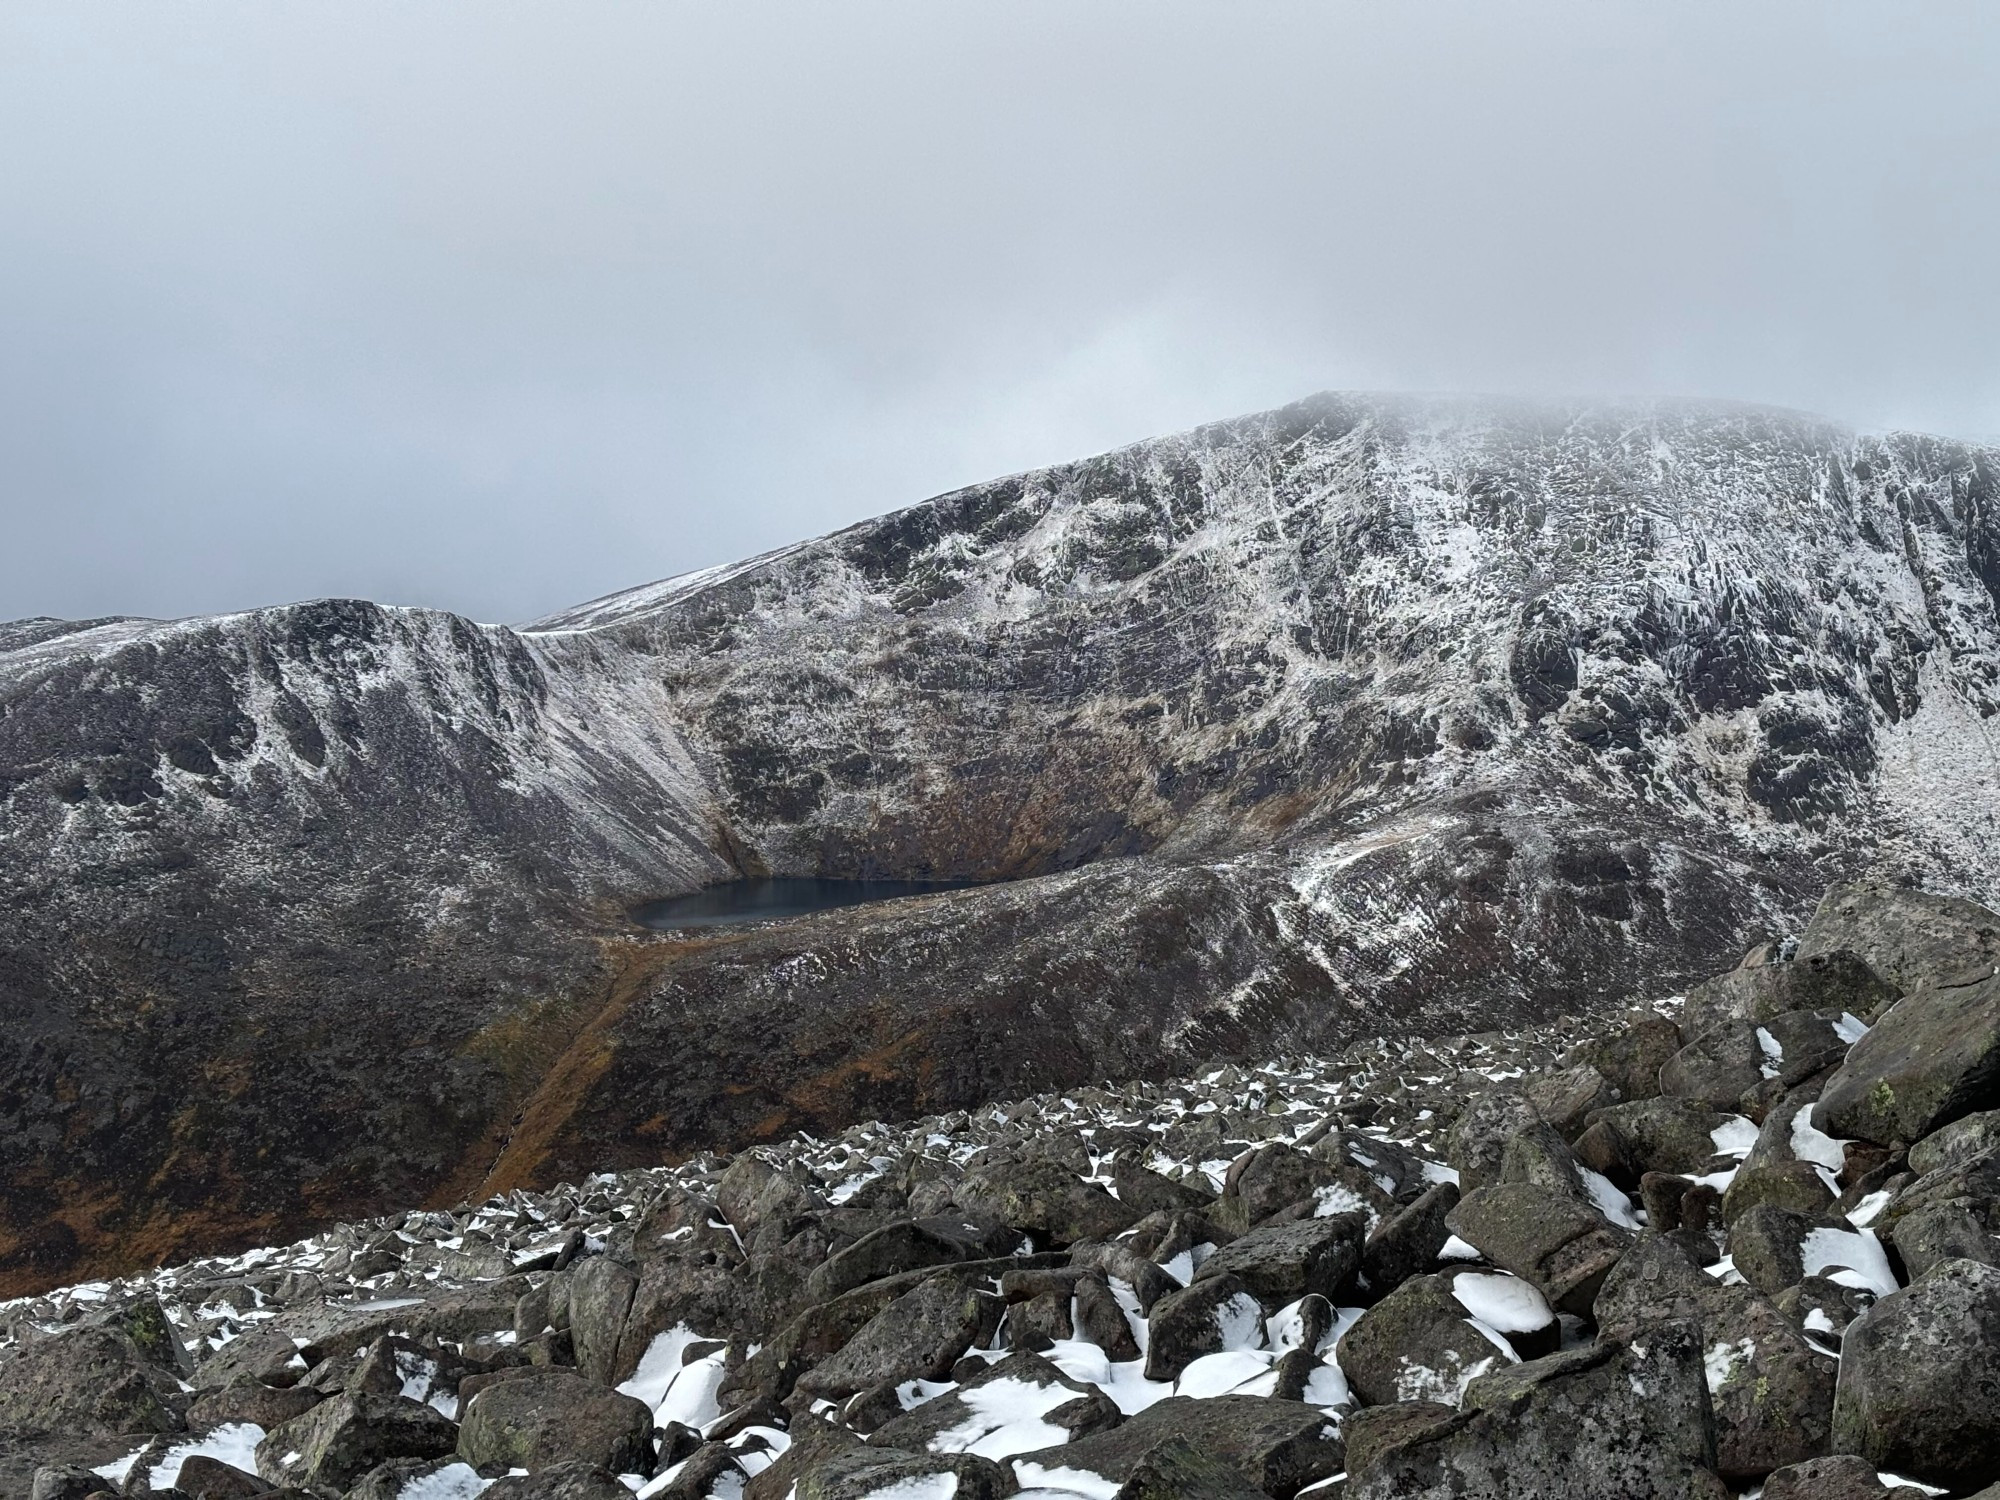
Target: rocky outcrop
(1362,717)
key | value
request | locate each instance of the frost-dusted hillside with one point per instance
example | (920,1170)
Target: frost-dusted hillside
(1364,715)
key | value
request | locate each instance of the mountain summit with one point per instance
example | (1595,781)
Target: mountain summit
(1367,715)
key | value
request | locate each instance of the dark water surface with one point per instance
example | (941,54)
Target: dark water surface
(772,900)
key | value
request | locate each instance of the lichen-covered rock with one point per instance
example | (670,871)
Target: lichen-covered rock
(1770,1391)
(1934,1058)
(87,1379)
(1959,1142)
(1005,1393)
(1176,1469)
(1627,1420)
(1280,1263)
(1720,1068)
(549,1416)
(1792,1185)
(1478,1140)
(1214,1314)
(1766,1245)
(1273,1178)
(1543,1237)
(570,1479)
(1914,939)
(1631,1057)
(907,1245)
(1407,1243)
(1919,1390)
(1833,982)
(1416,1344)
(1950,1230)
(1278,1447)
(1660,1134)
(1564,1100)
(341,1439)
(919,1336)
(859,1474)
(1045,1200)
(1841,1476)
(204,1478)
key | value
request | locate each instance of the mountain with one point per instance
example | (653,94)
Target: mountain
(1366,716)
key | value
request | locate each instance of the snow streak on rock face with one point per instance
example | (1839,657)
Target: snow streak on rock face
(1361,715)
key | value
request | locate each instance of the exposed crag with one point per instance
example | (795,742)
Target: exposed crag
(1368,715)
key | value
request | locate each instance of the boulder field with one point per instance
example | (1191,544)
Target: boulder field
(1746,1240)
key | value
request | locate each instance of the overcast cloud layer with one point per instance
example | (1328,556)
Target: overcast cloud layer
(498,307)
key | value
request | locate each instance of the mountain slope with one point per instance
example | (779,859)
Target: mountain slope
(1367,714)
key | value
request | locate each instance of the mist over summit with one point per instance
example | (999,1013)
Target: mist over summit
(1364,716)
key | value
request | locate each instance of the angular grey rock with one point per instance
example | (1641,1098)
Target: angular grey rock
(1203,1318)
(1280,1263)
(1612,1419)
(65,1482)
(1177,1469)
(266,1355)
(1720,1068)
(205,1478)
(1543,1238)
(1407,1243)
(1278,1447)
(1272,1178)
(1659,1134)
(92,1380)
(1934,1058)
(1564,1100)
(710,1473)
(568,1479)
(1938,1232)
(1972,1183)
(1631,1057)
(857,1474)
(1037,1322)
(919,1336)
(1793,1185)
(1148,1282)
(341,1439)
(1046,1200)
(548,1416)
(1149,1192)
(1832,983)
(1540,1156)
(906,1245)
(1919,1391)
(1076,1408)
(1101,1320)
(1478,1139)
(1770,1390)
(1957,1143)
(1416,1344)
(1838,1477)
(1766,1246)
(1914,939)
(600,1297)
(699,1289)
(388,1479)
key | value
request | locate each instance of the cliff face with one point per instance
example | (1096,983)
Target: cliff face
(1364,715)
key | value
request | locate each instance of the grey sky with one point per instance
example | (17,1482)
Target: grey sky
(501,306)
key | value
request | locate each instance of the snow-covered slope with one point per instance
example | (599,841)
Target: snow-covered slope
(1363,715)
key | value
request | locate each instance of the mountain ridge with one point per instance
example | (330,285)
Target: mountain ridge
(1364,713)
